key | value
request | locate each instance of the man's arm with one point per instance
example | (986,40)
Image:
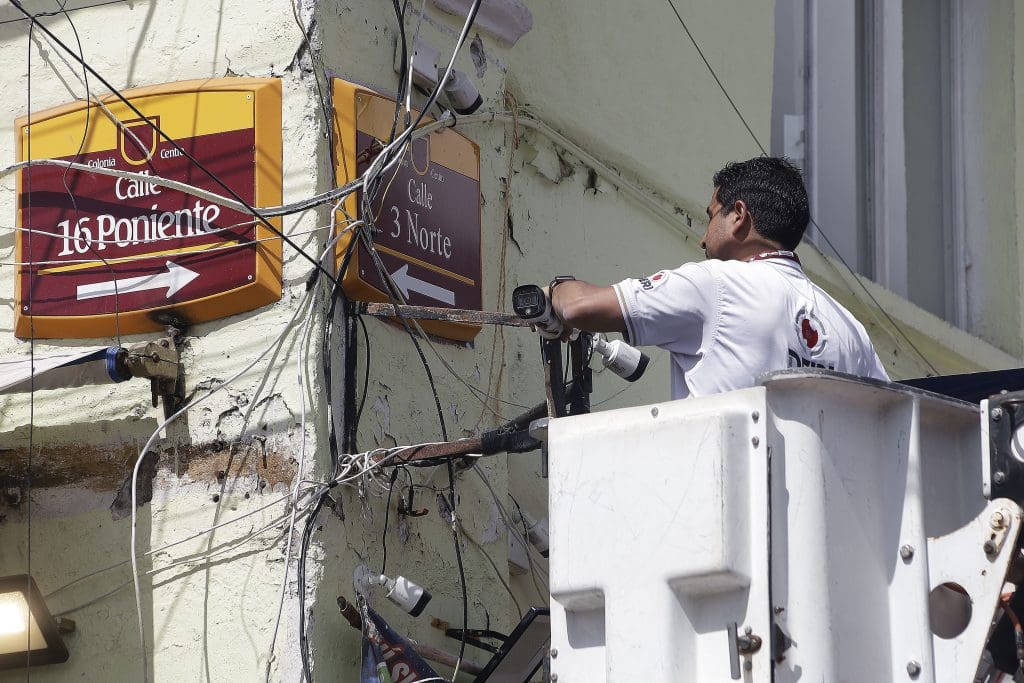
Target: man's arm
(587,307)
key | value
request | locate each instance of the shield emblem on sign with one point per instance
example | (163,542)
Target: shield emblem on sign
(419,153)
(136,140)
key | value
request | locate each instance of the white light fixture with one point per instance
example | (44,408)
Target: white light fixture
(408,595)
(464,97)
(28,634)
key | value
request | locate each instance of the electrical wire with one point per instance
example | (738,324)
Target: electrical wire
(349,440)
(255,213)
(146,449)
(374,172)
(64,178)
(32,373)
(325,109)
(824,236)
(497,572)
(140,257)
(230,545)
(307,533)
(185,153)
(166,546)
(193,559)
(406,67)
(511,527)
(326,197)
(291,527)
(64,10)
(387,511)
(369,180)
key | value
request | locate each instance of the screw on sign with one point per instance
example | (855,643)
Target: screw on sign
(101,247)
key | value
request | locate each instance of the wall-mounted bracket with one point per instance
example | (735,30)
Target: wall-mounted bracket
(1003,415)
(160,362)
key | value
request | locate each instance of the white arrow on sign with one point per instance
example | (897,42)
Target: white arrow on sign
(174,278)
(407,283)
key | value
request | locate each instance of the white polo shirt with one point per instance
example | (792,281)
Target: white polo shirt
(726,323)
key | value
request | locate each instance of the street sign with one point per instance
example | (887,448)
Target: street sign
(427,212)
(104,255)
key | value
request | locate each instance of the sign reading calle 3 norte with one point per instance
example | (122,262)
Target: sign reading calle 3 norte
(427,212)
(104,254)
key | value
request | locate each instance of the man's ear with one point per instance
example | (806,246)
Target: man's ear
(741,221)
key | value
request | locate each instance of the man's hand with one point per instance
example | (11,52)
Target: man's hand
(555,328)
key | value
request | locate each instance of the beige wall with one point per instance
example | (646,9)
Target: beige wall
(623,84)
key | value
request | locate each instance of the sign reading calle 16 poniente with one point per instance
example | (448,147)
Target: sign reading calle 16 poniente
(427,213)
(103,255)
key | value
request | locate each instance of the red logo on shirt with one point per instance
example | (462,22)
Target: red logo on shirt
(811,332)
(654,281)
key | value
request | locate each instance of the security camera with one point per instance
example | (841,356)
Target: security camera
(464,97)
(411,597)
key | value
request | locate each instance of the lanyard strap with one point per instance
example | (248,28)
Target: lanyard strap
(781,253)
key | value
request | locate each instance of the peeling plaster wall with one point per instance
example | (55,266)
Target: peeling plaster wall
(237,453)
(623,84)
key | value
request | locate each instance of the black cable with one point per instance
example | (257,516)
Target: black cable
(324,108)
(350,415)
(403,73)
(387,512)
(374,185)
(336,294)
(307,533)
(471,17)
(458,559)
(396,299)
(63,10)
(393,295)
(817,227)
(351,364)
(366,374)
(64,178)
(179,148)
(715,76)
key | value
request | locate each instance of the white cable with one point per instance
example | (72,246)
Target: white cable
(212,197)
(189,560)
(145,450)
(659,207)
(169,545)
(340,479)
(376,169)
(514,528)
(142,257)
(303,338)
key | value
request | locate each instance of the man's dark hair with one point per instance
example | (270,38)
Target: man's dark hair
(774,193)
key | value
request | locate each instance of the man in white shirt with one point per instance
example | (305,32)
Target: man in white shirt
(747,310)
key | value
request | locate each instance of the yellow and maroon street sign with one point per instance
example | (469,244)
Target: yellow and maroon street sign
(102,255)
(427,213)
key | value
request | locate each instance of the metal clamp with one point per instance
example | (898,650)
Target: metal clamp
(160,362)
(745,644)
(1005,417)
